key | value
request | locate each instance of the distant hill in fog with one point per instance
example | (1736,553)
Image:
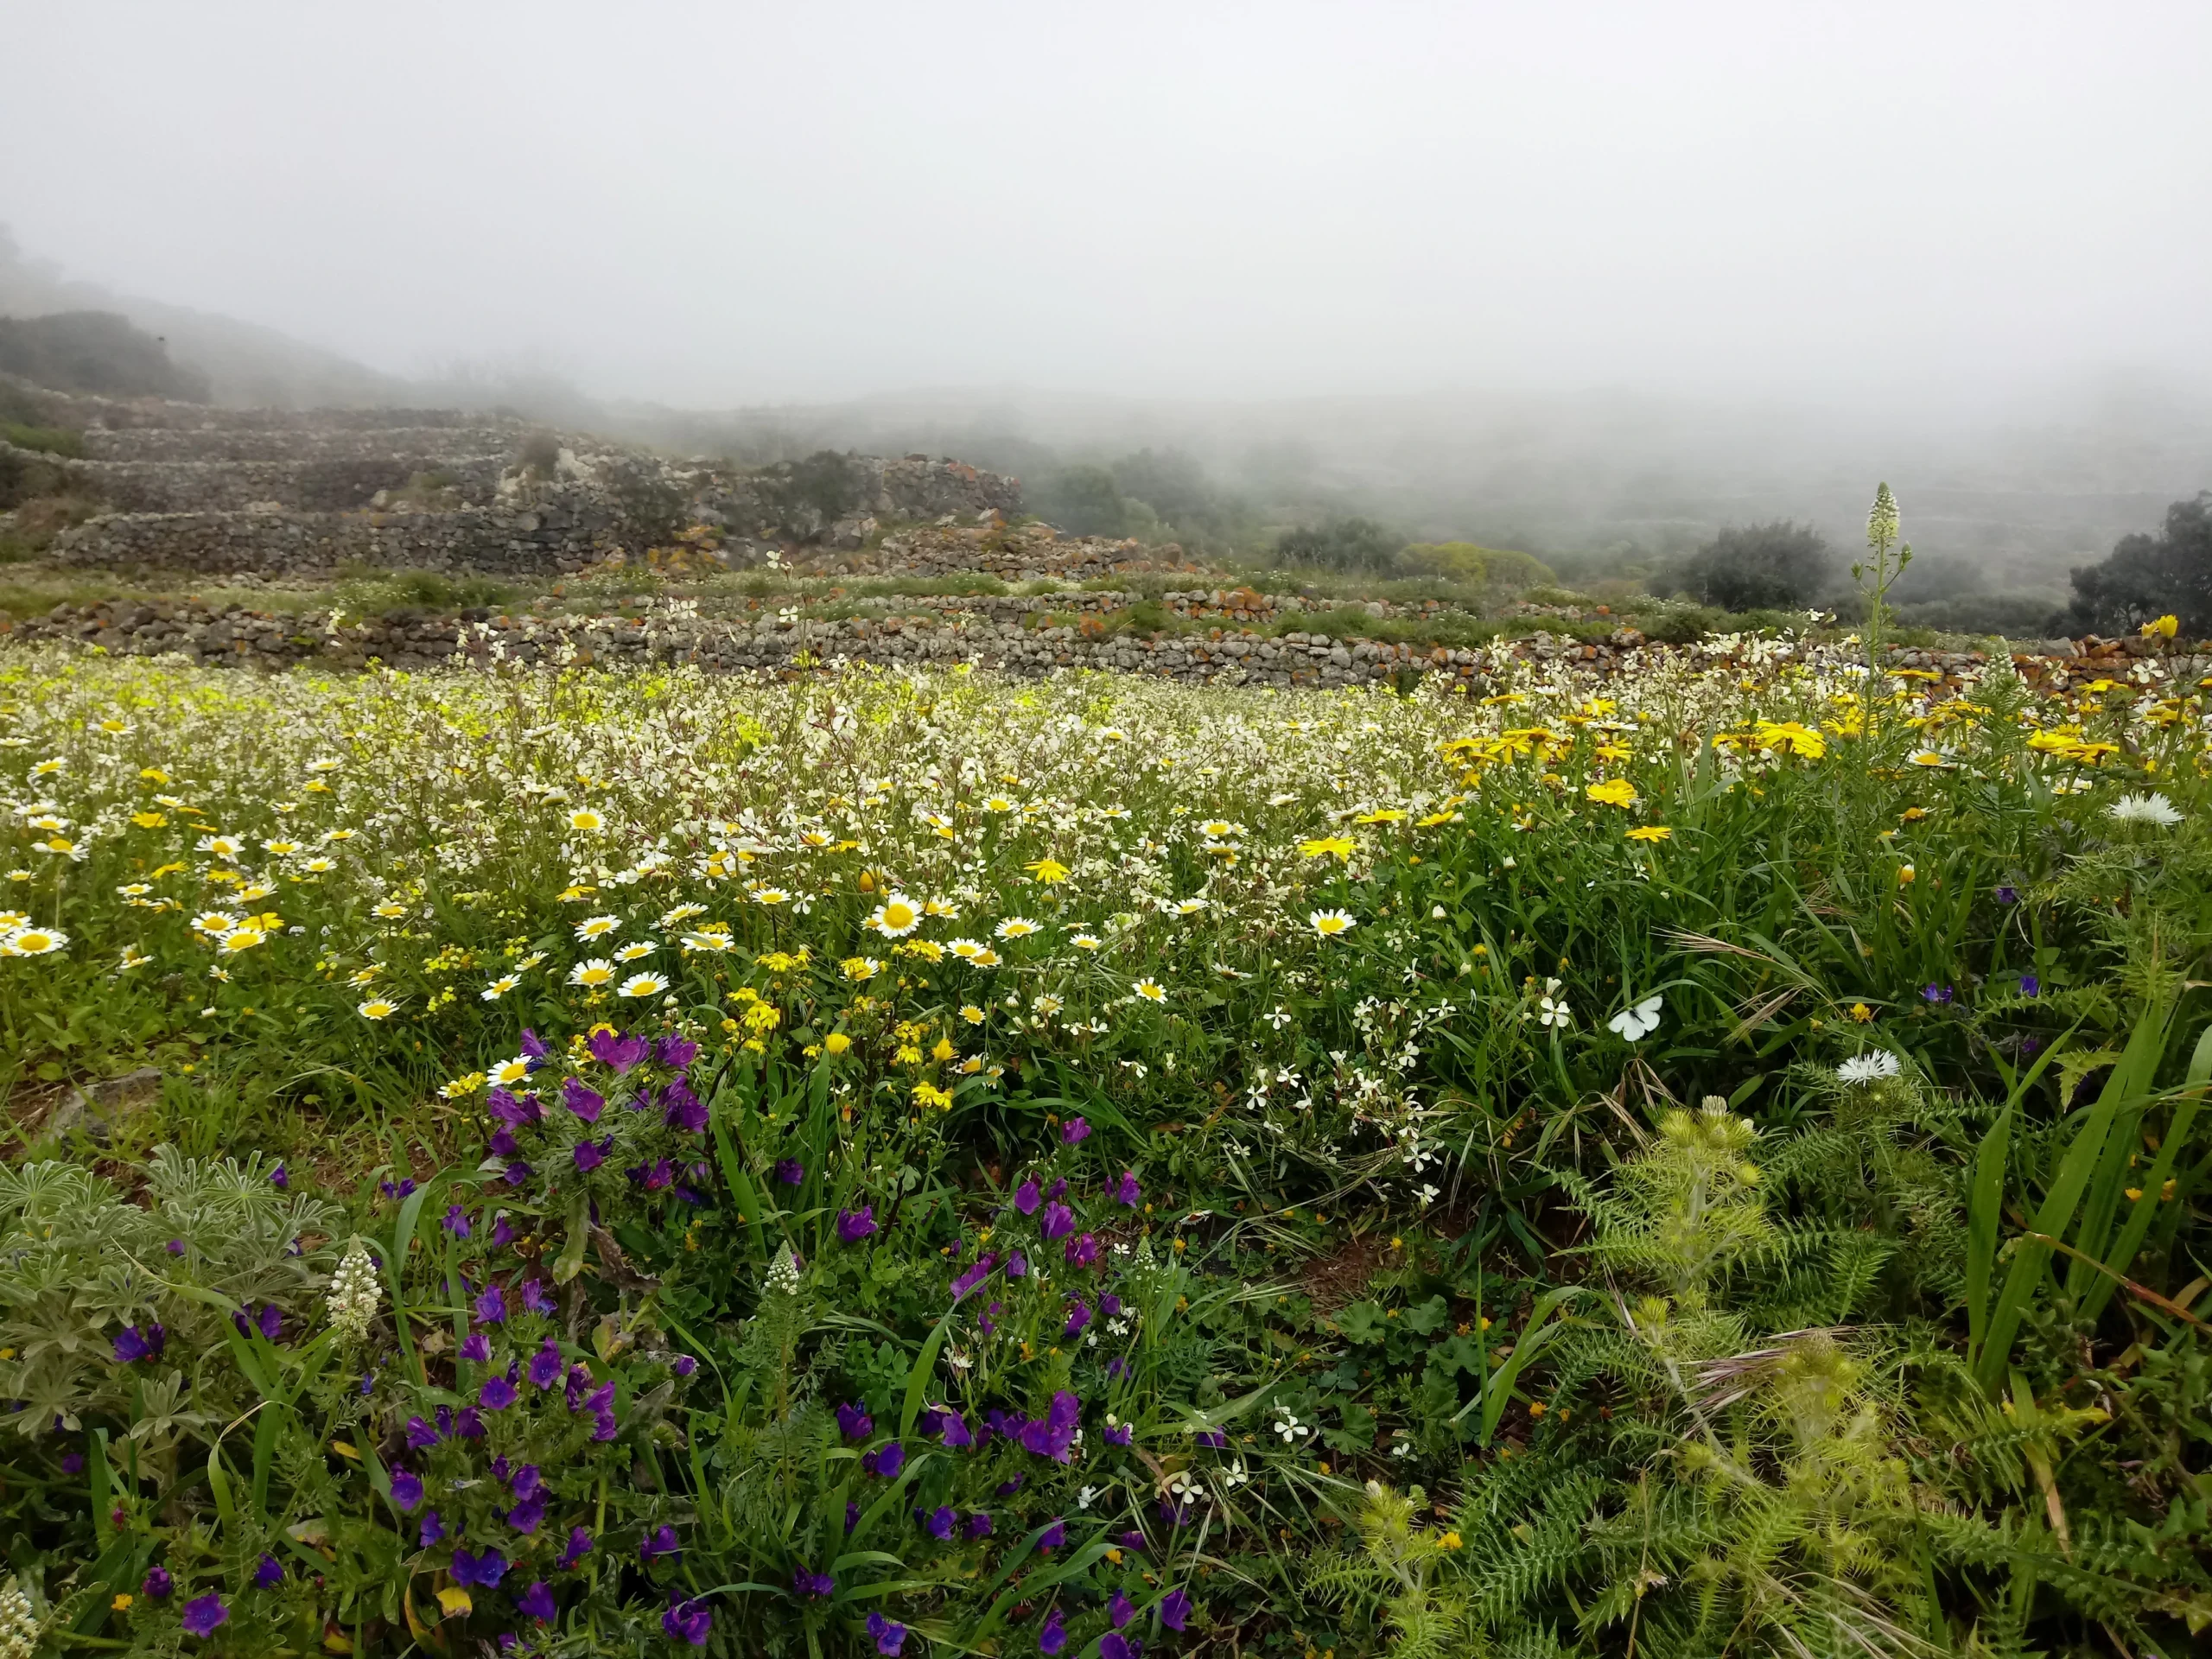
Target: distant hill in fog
(1997,496)
(244,363)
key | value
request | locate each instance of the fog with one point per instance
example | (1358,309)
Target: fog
(1494,263)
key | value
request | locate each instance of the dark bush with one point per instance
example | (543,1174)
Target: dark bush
(828,482)
(540,454)
(1083,501)
(1340,545)
(2150,576)
(1782,566)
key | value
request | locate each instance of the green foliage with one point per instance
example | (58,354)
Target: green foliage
(1498,575)
(2150,576)
(47,439)
(1780,566)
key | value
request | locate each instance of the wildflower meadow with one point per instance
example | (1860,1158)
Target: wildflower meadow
(1701,1160)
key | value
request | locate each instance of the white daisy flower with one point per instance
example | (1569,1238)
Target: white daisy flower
(1869,1067)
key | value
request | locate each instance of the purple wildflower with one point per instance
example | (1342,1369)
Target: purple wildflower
(940,1521)
(476,1348)
(854,1225)
(978,1525)
(1017,1267)
(456,1220)
(1128,1192)
(1174,1609)
(1058,1221)
(684,1365)
(582,1099)
(203,1613)
(620,1052)
(676,1052)
(158,1584)
(1078,1316)
(434,1528)
(1121,1610)
(492,1306)
(812,1584)
(503,1231)
(578,1546)
(281,1178)
(533,1046)
(1054,1535)
(1115,1645)
(174,1247)
(1083,1250)
(691,1622)
(590,1154)
(888,1635)
(1074,1132)
(852,1515)
(1027,1197)
(1937,994)
(790,1170)
(681,1109)
(1052,1635)
(546,1364)
(406,1490)
(1119,1433)
(497,1393)
(535,1298)
(853,1422)
(974,1276)
(2030,985)
(537,1602)
(268,1574)
(654,1545)
(1053,1436)
(519,1171)
(72,1463)
(132,1345)
(2008,895)
(470,1426)
(484,1571)
(421,1435)
(886,1461)
(529,1515)
(954,1427)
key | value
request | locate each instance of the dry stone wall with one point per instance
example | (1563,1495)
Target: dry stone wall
(275,493)
(990,634)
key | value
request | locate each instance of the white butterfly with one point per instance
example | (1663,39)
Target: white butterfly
(1638,1022)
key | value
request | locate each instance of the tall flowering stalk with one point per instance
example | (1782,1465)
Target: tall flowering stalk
(1876,576)
(353,1292)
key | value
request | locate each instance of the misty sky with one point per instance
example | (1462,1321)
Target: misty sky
(725,203)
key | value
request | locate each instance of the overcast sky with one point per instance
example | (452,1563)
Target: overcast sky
(729,202)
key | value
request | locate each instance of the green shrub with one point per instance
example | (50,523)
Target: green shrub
(49,440)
